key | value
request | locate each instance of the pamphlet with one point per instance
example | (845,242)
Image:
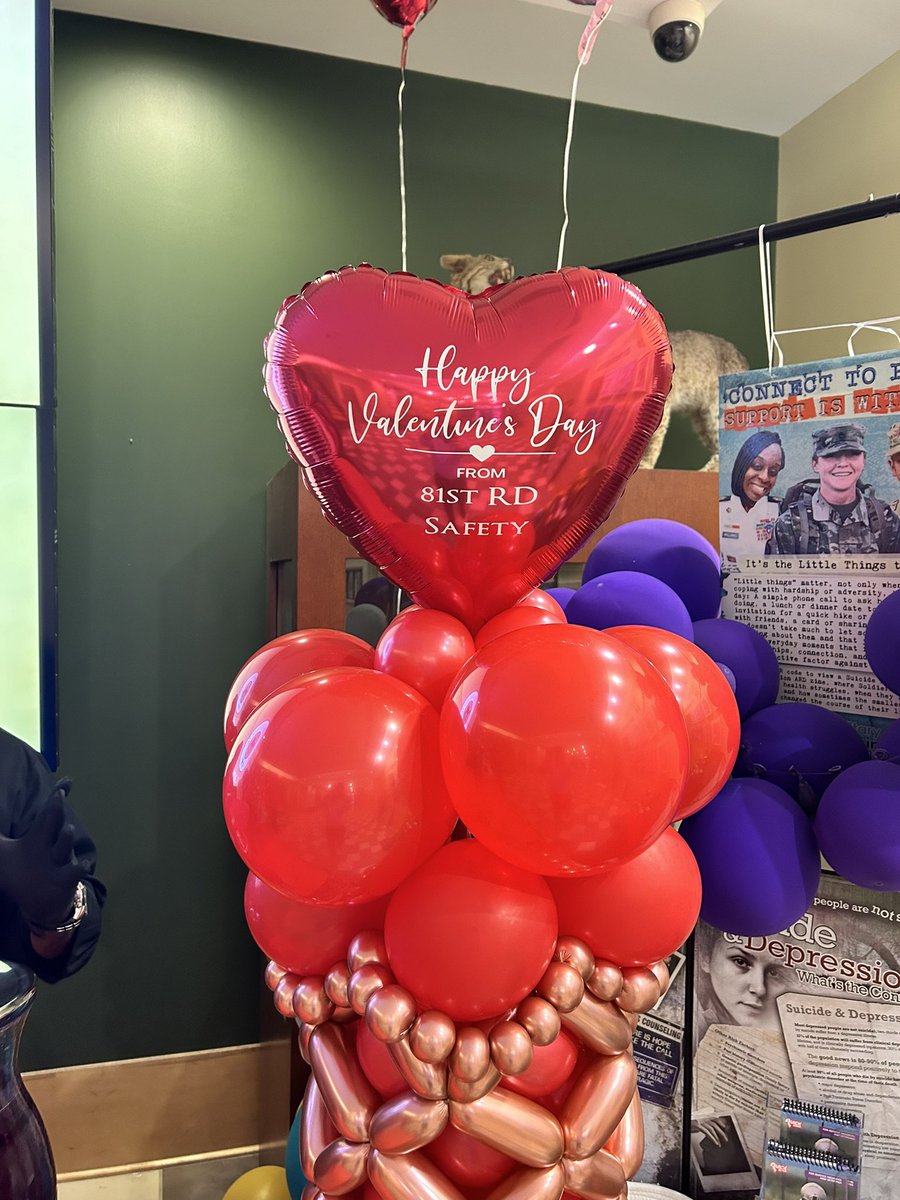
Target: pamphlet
(812,1012)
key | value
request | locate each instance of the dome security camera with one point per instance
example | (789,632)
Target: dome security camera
(675,27)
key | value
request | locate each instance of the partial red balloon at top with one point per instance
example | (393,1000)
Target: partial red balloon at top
(282,662)
(424,648)
(543,600)
(404,13)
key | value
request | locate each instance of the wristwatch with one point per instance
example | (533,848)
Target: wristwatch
(77,915)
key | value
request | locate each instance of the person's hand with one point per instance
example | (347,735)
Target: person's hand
(39,871)
(714,1128)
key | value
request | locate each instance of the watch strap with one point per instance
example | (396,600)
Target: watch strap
(77,914)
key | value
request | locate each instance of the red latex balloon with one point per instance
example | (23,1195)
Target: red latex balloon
(541,599)
(467,444)
(469,934)
(522,616)
(564,750)
(377,1064)
(333,790)
(707,705)
(467,1162)
(636,913)
(404,13)
(282,662)
(550,1068)
(425,649)
(555,1101)
(307,939)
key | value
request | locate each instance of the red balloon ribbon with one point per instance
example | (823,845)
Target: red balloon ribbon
(467,445)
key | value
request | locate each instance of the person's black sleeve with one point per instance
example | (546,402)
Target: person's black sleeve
(25,785)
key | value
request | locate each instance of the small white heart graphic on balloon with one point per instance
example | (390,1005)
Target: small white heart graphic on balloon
(482,453)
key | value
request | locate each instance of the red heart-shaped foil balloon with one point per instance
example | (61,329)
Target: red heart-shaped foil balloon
(467,445)
(404,13)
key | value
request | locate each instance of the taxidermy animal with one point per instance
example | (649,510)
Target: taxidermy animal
(700,358)
(473,273)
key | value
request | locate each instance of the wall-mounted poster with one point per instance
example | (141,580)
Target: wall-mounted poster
(809,520)
(658,1055)
(812,1012)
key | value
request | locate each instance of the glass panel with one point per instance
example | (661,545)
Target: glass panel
(19,347)
(19,604)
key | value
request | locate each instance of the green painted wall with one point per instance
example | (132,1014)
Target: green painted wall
(198,182)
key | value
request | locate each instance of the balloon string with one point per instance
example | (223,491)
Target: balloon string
(565,186)
(402,160)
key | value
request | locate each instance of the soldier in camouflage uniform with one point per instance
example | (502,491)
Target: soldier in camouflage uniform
(894,458)
(836,514)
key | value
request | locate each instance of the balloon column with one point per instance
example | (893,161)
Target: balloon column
(467,1004)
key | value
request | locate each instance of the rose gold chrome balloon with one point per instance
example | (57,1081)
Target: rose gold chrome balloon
(562,985)
(627,1141)
(408,1122)
(597,1104)
(599,1025)
(464,1091)
(409,1177)
(426,1079)
(390,1013)
(336,982)
(316,1128)
(365,948)
(274,975)
(606,980)
(432,1037)
(303,1039)
(311,1192)
(599,1177)
(471,1054)
(341,1016)
(512,1050)
(540,1018)
(632,1019)
(309,1001)
(661,971)
(349,1097)
(544,1184)
(513,1125)
(640,990)
(573,951)
(364,982)
(284,994)
(341,1167)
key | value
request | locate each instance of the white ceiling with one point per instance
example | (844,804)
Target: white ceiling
(762,65)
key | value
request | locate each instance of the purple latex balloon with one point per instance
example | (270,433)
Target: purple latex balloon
(561,595)
(790,743)
(882,642)
(858,825)
(748,656)
(758,858)
(729,675)
(668,550)
(888,745)
(628,598)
